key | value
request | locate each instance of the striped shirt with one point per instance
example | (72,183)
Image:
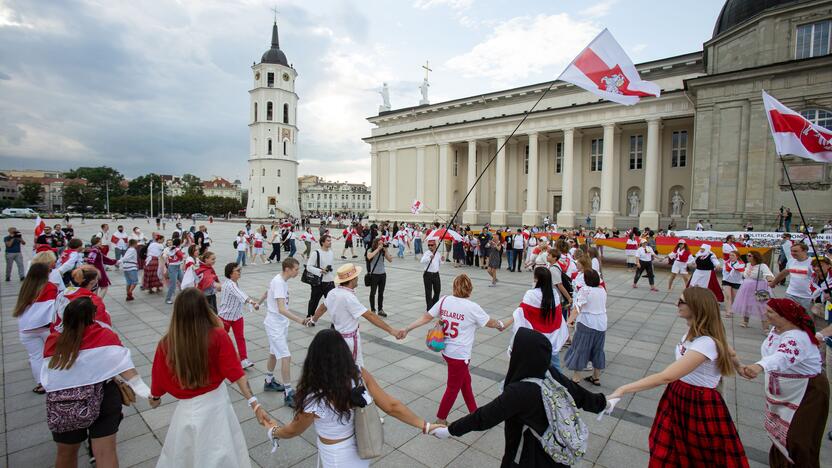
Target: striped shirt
(232,301)
(130,260)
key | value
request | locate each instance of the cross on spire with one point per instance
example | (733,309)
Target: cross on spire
(274,10)
(427,68)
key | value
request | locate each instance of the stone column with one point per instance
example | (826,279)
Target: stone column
(566,216)
(650,216)
(469,216)
(531,215)
(391,181)
(420,173)
(606,216)
(498,217)
(374,182)
(444,180)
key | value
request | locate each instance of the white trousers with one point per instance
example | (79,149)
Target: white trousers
(344,454)
(33,341)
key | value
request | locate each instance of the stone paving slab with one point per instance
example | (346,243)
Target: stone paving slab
(643,329)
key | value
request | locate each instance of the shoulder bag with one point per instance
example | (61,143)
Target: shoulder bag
(368,279)
(74,408)
(435,339)
(369,433)
(762,295)
(308,277)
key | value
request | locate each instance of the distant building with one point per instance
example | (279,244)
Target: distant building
(8,187)
(318,195)
(52,188)
(219,187)
(32,173)
(174,186)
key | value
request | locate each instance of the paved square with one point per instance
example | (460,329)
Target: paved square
(643,328)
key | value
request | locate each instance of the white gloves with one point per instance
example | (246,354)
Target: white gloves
(440,433)
(138,386)
(610,406)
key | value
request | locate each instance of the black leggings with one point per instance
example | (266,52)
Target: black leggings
(646,268)
(275,251)
(377,283)
(432,287)
(317,293)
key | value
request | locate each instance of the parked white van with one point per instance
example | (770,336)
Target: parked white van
(20,212)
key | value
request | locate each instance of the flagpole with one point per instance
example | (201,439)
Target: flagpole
(805,225)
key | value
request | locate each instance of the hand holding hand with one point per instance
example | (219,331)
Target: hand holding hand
(263,417)
(751,372)
(256,306)
(401,334)
(441,432)
(154,403)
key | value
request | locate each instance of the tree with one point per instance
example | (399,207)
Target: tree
(79,196)
(99,181)
(193,184)
(31,193)
(140,186)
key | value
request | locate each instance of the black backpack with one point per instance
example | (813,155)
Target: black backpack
(565,280)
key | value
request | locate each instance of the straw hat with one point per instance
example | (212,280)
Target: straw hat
(346,272)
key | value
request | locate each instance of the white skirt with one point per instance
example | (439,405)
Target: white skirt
(204,432)
(344,454)
(679,268)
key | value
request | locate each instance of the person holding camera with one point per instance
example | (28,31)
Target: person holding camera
(319,263)
(13,254)
(376,257)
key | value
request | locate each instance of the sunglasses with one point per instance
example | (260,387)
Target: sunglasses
(680,302)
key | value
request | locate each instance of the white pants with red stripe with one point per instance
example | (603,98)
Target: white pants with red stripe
(33,341)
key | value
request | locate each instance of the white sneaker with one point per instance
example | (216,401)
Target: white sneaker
(246,363)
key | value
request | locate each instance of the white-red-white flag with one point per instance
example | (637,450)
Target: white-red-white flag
(794,134)
(416,207)
(444,234)
(603,68)
(39,226)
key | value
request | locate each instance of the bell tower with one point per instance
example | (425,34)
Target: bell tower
(273,131)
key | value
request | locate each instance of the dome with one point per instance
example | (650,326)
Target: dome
(736,12)
(274,54)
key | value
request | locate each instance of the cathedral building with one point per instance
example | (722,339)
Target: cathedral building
(701,150)
(273,164)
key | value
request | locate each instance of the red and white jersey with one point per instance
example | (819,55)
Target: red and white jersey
(727,248)
(681,256)
(568,266)
(41,312)
(258,240)
(71,258)
(348,234)
(528,315)
(175,256)
(101,357)
(119,240)
(72,293)
(734,272)
(308,237)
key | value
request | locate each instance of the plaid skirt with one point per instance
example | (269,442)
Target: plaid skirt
(151,279)
(693,428)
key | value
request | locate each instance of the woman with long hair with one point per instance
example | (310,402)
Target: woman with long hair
(151,279)
(330,387)
(34,311)
(680,258)
(97,258)
(376,256)
(461,318)
(755,278)
(84,357)
(207,280)
(495,256)
(192,360)
(319,264)
(541,311)
(797,392)
(732,276)
(589,316)
(48,258)
(86,279)
(693,426)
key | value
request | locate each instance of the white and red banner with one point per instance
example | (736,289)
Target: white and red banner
(40,225)
(444,234)
(528,315)
(795,135)
(603,68)
(42,311)
(101,357)
(416,207)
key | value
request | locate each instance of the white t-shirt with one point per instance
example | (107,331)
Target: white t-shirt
(799,277)
(463,317)
(645,253)
(344,308)
(596,265)
(707,374)
(155,249)
(593,304)
(278,289)
(519,242)
(241,243)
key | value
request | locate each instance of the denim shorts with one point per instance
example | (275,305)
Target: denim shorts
(131,277)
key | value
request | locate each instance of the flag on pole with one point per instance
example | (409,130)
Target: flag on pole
(444,234)
(604,69)
(416,207)
(794,134)
(40,225)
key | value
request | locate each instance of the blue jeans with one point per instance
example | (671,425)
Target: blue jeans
(789,226)
(510,254)
(417,246)
(241,257)
(401,250)
(556,360)
(175,275)
(292,249)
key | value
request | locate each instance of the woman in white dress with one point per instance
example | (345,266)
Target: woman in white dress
(680,258)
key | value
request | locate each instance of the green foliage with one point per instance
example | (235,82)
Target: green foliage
(31,193)
(186,204)
(99,179)
(141,185)
(80,196)
(193,184)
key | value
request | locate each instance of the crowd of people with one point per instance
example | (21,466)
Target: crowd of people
(79,362)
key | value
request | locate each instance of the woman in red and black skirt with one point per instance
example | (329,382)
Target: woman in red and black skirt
(151,279)
(693,426)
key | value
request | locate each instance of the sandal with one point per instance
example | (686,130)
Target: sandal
(39,389)
(744,324)
(593,381)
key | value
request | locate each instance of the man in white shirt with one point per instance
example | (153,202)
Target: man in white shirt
(277,329)
(430,277)
(119,239)
(519,246)
(699,226)
(799,271)
(345,309)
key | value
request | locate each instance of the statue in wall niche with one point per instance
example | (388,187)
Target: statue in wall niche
(596,202)
(385,98)
(676,204)
(633,200)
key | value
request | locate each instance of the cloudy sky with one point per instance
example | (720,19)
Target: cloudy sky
(162,85)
